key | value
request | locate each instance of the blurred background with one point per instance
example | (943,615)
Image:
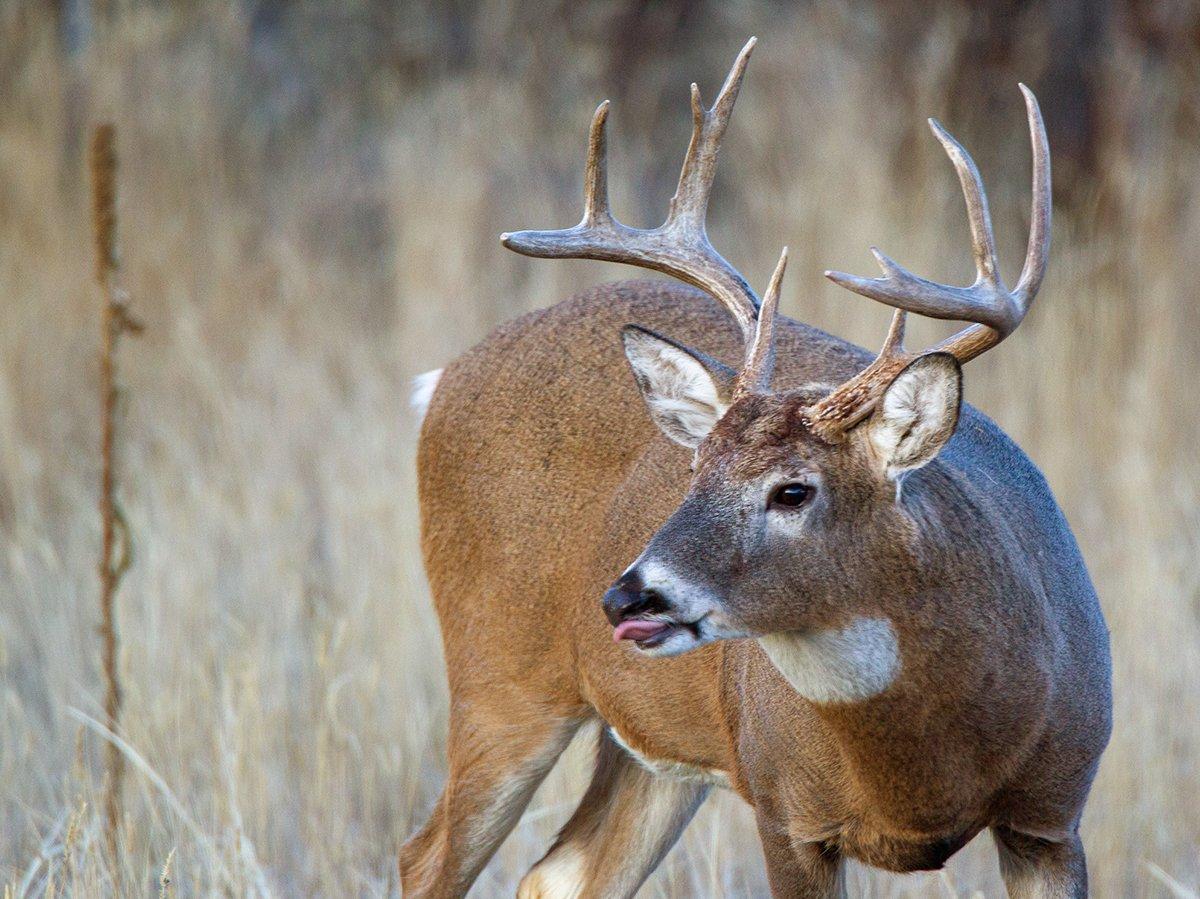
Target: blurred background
(310,200)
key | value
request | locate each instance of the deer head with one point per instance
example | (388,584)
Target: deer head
(794,521)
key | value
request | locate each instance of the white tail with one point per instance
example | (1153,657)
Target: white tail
(423,386)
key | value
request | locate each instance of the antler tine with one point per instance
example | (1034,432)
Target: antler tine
(595,173)
(760,354)
(983,241)
(893,344)
(993,308)
(680,246)
(1037,254)
(690,203)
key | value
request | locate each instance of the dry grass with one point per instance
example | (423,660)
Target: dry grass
(310,214)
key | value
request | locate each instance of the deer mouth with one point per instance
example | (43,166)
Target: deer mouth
(647,633)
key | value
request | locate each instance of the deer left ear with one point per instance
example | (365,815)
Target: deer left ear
(686,391)
(917,413)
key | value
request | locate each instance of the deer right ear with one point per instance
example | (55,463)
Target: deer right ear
(686,391)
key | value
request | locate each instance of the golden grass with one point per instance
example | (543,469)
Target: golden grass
(309,216)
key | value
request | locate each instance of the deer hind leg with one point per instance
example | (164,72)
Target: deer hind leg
(1035,868)
(625,824)
(497,756)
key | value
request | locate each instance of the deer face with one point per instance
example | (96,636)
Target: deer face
(781,530)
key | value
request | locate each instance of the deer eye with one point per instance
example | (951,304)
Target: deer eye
(794,494)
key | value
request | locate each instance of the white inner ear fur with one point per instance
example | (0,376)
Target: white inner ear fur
(917,414)
(682,396)
(848,664)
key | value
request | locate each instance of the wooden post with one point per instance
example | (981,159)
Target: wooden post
(116,544)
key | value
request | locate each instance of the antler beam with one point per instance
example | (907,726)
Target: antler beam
(680,246)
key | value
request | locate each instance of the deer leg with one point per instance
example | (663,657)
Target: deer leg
(1036,868)
(498,756)
(800,870)
(625,824)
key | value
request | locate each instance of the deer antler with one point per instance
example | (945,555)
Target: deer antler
(680,246)
(995,310)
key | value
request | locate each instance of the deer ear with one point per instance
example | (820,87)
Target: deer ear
(686,391)
(917,413)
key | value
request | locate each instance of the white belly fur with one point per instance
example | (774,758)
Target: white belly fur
(671,768)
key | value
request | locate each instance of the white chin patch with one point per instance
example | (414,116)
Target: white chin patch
(846,664)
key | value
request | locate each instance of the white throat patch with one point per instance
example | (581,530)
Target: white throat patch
(844,665)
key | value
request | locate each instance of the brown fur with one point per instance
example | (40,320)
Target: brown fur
(542,478)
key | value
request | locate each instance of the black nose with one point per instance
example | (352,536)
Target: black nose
(628,598)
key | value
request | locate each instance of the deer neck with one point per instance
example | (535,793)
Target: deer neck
(910,714)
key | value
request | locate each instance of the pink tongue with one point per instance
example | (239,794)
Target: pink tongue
(637,629)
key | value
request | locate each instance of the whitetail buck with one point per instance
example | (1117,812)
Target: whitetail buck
(848,598)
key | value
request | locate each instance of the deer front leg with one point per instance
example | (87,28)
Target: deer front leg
(1036,868)
(800,870)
